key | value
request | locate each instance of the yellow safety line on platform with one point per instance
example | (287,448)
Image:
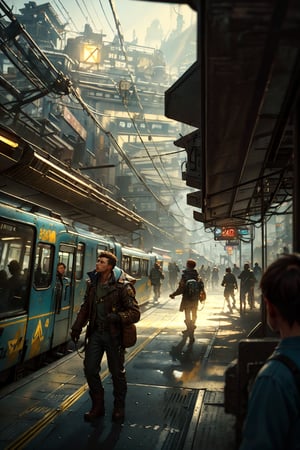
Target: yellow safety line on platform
(32,432)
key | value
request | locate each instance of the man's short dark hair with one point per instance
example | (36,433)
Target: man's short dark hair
(112,259)
(280,284)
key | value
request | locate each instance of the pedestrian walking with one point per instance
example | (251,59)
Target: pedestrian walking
(230,285)
(190,287)
(109,304)
(156,276)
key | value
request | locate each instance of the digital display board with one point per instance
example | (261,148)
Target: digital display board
(226,233)
(230,233)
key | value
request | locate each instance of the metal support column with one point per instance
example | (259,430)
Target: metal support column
(296,194)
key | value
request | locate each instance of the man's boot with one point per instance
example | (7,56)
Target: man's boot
(185,332)
(118,412)
(191,329)
(97,409)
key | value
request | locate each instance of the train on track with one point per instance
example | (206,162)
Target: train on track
(33,240)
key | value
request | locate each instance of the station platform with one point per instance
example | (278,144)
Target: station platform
(175,396)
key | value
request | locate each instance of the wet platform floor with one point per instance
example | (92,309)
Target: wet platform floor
(175,391)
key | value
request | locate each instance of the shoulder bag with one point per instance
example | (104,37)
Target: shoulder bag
(129,336)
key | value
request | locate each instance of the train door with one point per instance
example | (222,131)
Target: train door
(16,251)
(63,296)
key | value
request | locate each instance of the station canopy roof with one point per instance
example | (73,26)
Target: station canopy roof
(246,79)
(28,173)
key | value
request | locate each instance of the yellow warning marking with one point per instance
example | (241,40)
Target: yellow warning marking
(15,345)
(38,334)
(36,340)
(32,432)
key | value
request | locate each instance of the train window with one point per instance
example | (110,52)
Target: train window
(104,247)
(43,265)
(135,267)
(144,267)
(16,247)
(79,261)
(126,264)
(66,255)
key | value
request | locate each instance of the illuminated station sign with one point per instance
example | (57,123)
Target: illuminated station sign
(230,233)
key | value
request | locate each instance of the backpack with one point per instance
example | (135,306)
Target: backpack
(192,288)
(290,364)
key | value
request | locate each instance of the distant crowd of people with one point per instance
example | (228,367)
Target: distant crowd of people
(272,419)
(233,279)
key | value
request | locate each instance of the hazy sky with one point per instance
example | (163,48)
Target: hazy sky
(135,16)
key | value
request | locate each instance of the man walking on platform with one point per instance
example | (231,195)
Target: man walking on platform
(173,271)
(156,276)
(109,303)
(190,287)
(248,281)
(230,283)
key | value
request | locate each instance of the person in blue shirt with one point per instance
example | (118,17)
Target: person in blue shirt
(273,417)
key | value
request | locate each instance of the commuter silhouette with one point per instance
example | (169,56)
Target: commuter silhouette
(236,270)
(14,285)
(60,284)
(215,277)
(173,271)
(248,281)
(190,299)
(3,279)
(257,270)
(230,284)
(4,291)
(156,276)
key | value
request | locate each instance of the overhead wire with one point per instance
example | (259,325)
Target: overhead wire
(133,84)
(114,142)
(81,10)
(89,14)
(96,14)
(108,22)
(65,13)
(121,40)
(118,148)
(75,93)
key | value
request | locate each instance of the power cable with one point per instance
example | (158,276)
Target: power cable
(125,157)
(131,75)
(81,10)
(89,15)
(120,35)
(108,22)
(69,18)
(114,143)
(121,152)
(96,14)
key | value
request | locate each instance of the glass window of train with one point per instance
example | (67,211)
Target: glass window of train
(79,262)
(103,246)
(16,247)
(144,267)
(136,267)
(126,264)
(66,255)
(43,268)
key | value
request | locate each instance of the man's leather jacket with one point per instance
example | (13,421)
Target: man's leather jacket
(120,300)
